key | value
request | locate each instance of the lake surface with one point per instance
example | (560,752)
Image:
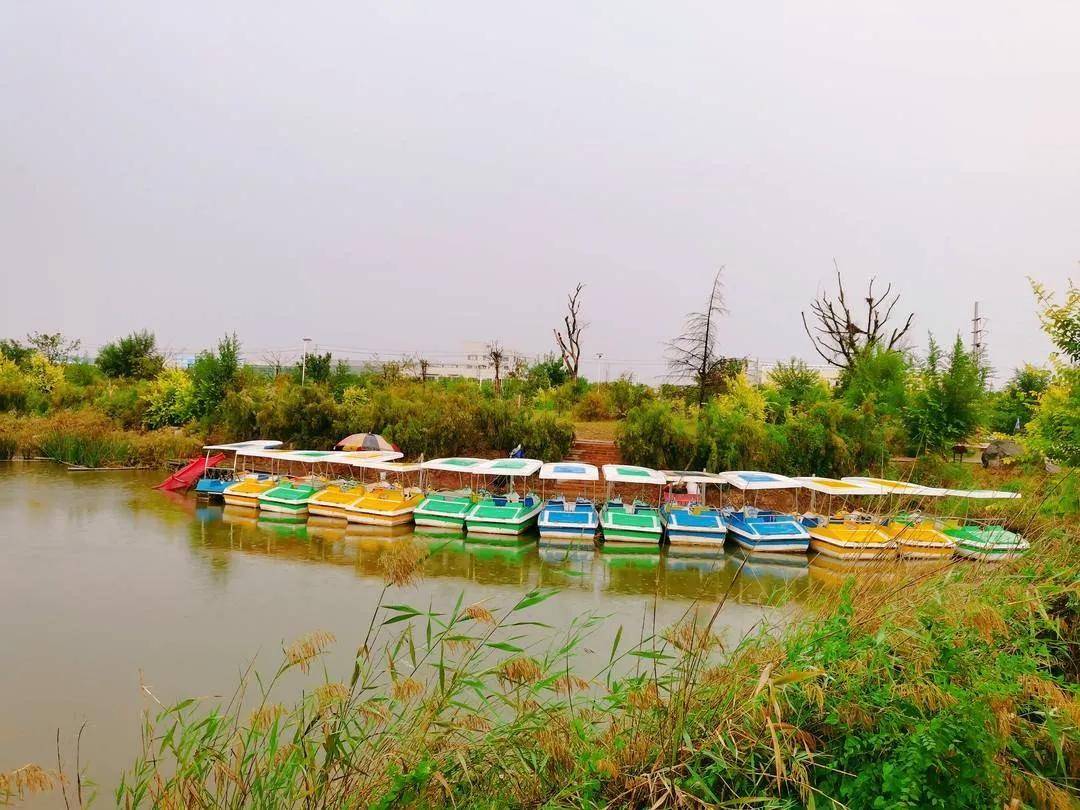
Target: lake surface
(104,581)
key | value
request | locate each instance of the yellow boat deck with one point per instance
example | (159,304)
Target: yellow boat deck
(919,539)
(333,500)
(847,538)
(386,506)
(246,491)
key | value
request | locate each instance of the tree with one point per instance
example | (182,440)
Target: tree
(496,355)
(53,347)
(1061,322)
(1015,404)
(423,364)
(946,403)
(570,340)
(315,367)
(213,373)
(839,337)
(14,351)
(135,356)
(692,355)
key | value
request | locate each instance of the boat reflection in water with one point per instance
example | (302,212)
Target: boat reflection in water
(520,561)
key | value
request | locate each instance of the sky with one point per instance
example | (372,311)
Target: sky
(405,177)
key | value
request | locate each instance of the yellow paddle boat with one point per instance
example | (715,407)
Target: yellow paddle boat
(334,499)
(247,490)
(387,502)
(919,538)
(845,535)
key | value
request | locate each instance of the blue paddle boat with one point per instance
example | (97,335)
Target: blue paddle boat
(761,530)
(686,517)
(564,518)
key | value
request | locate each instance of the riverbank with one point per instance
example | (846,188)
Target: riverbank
(950,687)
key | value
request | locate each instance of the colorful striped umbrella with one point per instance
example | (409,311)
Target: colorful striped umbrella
(365,441)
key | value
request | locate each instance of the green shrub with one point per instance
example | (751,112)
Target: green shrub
(213,374)
(732,433)
(14,387)
(547,436)
(832,439)
(135,356)
(595,406)
(945,403)
(625,394)
(658,434)
(83,374)
(124,403)
(879,375)
(170,400)
(1055,428)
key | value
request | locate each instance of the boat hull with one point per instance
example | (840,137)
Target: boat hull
(442,512)
(212,488)
(579,522)
(769,533)
(687,528)
(852,542)
(623,530)
(502,518)
(920,540)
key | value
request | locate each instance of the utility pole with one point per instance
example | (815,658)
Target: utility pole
(978,336)
(303,362)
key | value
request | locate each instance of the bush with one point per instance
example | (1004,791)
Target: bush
(791,385)
(1055,428)
(14,387)
(732,433)
(135,357)
(1012,408)
(595,406)
(547,436)
(43,375)
(83,374)
(832,439)
(658,434)
(170,400)
(625,394)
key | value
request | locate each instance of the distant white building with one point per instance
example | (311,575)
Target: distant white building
(474,363)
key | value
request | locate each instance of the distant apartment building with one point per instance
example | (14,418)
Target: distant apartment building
(474,362)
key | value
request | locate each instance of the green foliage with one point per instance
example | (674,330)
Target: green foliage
(832,439)
(1061,322)
(14,351)
(123,403)
(43,375)
(170,400)
(548,373)
(626,394)
(1055,428)
(659,434)
(315,368)
(213,374)
(946,400)
(1012,407)
(135,357)
(793,385)
(83,375)
(877,374)
(14,387)
(732,433)
(53,347)
(595,406)
(308,415)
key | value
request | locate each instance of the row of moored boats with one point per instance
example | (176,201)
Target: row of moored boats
(499,497)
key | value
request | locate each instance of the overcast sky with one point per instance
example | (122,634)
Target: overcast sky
(405,177)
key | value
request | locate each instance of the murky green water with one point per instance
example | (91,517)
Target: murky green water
(104,581)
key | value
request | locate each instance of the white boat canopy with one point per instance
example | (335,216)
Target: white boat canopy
(261,444)
(258,452)
(462,465)
(569,471)
(391,466)
(985,494)
(754,479)
(355,458)
(896,487)
(513,467)
(629,474)
(312,456)
(692,477)
(834,486)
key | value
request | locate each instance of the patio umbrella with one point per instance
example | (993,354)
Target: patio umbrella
(365,441)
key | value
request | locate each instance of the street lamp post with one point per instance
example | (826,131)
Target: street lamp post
(303,361)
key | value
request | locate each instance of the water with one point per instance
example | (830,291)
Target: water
(104,581)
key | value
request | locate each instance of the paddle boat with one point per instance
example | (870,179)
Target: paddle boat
(333,499)
(446,509)
(764,530)
(635,525)
(926,537)
(215,479)
(247,487)
(980,540)
(509,513)
(687,518)
(389,501)
(561,517)
(845,535)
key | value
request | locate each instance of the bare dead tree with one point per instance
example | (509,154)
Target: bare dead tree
(570,340)
(424,365)
(496,355)
(840,337)
(692,355)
